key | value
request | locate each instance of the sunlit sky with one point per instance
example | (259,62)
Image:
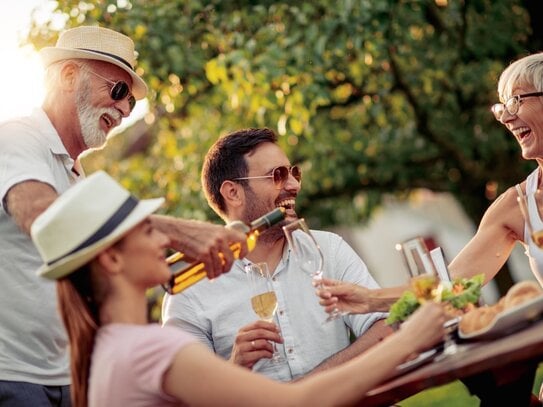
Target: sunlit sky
(21,72)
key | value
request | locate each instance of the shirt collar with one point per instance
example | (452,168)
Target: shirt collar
(54,141)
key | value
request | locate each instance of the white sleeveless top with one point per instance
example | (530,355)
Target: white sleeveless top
(534,253)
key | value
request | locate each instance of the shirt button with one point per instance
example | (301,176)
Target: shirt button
(274,279)
(290,350)
(281,312)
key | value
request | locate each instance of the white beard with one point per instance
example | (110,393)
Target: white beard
(89,118)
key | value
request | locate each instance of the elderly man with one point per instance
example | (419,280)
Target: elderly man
(91,86)
(245,175)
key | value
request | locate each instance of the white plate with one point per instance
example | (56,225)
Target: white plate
(423,358)
(509,321)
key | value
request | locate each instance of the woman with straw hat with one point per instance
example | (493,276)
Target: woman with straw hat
(104,267)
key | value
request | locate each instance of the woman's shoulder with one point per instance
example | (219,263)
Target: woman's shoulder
(142,335)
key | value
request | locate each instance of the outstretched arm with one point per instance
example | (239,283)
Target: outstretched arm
(227,384)
(378,331)
(501,227)
(203,241)
(356,299)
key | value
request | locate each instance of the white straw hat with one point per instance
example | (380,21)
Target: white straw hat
(102,44)
(87,218)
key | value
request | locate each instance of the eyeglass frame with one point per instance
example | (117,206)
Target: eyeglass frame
(504,106)
(281,182)
(126,93)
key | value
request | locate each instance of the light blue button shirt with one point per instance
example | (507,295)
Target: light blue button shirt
(215,311)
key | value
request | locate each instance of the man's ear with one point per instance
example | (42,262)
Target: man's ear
(232,193)
(68,75)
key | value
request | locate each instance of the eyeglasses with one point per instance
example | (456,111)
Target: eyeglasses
(280,175)
(119,90)
(512,105)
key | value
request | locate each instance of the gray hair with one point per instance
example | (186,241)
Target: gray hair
(527,71)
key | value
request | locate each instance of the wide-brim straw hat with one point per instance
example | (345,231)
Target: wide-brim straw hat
(101,44)
(86,219)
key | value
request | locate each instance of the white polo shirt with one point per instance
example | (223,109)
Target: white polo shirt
(33,342)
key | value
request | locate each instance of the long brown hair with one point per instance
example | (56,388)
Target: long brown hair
(79,312)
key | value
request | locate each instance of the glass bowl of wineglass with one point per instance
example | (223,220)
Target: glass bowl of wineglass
(307,255)
(263,298)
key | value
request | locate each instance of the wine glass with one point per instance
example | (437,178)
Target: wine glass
(307,254)
(417,257)
(427,285)
(263,300)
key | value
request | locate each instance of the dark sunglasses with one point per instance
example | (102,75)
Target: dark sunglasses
(119,90)
(280,175)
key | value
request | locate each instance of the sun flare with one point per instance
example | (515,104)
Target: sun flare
(21,72)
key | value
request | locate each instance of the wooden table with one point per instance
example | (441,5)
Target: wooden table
(499,371)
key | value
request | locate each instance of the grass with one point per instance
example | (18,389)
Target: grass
(455,394)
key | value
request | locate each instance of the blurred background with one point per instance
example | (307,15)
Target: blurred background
(384,103)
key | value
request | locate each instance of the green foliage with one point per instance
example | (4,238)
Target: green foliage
(370,97)
(454,394)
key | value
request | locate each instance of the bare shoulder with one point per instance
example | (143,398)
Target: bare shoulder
(505,211)
(505,202)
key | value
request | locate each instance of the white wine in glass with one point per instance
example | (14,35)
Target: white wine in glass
(263,299)
(265,305)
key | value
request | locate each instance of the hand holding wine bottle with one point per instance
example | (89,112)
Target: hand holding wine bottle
(186,274)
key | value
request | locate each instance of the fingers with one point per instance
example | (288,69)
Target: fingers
(329,282)
(425,326)
(254,342)
(329,304)
(221,257)
(211,244)
(240,239)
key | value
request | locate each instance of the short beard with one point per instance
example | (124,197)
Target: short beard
(89,117)
(253,211)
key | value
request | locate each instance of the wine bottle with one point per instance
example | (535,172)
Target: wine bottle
(185,274)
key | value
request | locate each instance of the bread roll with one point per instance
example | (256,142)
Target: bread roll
(522,292)
(482,317)
(477,319)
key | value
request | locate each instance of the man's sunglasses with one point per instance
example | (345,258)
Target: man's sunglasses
(119,90)
(279,175)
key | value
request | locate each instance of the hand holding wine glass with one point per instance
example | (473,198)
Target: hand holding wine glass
(307,255)
(263,299)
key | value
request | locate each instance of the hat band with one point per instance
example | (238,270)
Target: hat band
(118,58)
(114,221)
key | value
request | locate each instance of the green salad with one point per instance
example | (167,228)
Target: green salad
(458,296)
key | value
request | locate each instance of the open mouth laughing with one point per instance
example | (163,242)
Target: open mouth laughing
(521,132)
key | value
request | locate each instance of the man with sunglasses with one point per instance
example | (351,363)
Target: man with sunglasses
(91,86)
(246,174)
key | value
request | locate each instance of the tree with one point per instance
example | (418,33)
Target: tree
(371,97)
